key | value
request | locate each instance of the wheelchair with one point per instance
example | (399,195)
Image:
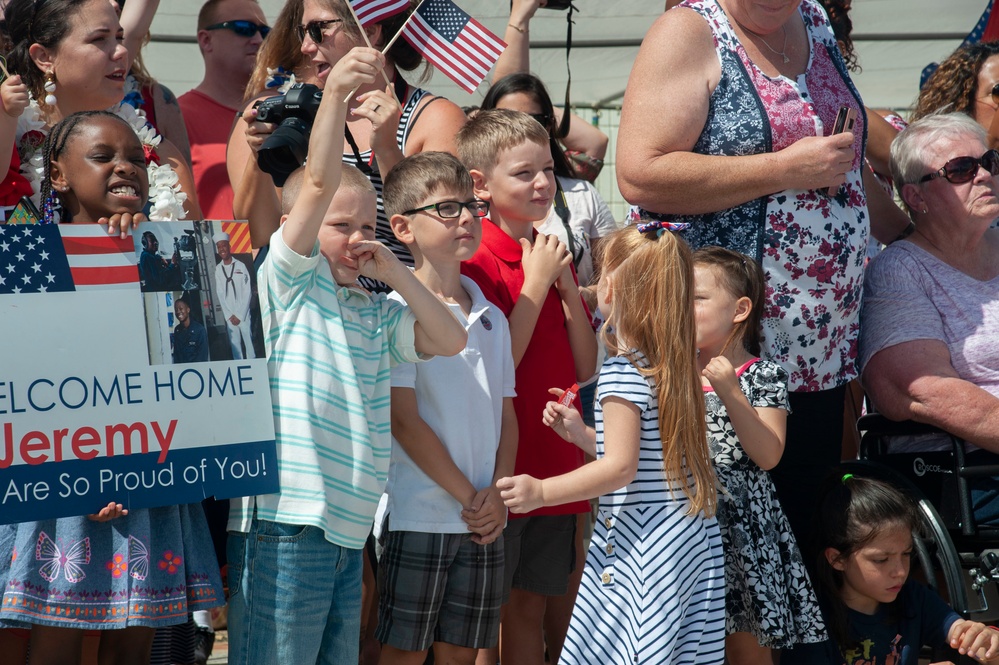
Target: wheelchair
(958,558)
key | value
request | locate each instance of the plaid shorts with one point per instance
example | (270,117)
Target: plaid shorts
(439,587)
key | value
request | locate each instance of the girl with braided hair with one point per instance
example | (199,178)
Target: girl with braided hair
(123,572)
(70,55)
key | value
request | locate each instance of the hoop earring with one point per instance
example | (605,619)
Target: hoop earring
(50,88)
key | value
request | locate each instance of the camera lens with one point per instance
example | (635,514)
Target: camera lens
(285,150)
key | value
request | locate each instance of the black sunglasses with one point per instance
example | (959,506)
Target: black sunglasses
(543,119)
(242,28)
(964,169)
(316,29)
(452,209)
(995,93)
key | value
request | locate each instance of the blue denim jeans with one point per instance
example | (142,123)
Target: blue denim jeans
(294,597)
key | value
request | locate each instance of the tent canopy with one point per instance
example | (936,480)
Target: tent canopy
(894,39)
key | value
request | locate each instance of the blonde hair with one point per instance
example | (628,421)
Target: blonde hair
(652,309)
(350,178)
(491,131)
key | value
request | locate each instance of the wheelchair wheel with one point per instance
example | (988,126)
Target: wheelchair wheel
(935,550)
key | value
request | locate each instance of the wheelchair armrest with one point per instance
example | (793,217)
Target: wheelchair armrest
(878,424)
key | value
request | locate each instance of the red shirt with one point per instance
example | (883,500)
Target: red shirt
(547,363)
(208,126)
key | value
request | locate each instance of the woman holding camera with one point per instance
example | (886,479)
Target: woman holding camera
(386,122)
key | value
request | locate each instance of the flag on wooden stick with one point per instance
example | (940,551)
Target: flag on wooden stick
(458,45)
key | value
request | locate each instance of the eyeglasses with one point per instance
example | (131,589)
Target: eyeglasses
(316,29)
(452,209)
(964,169)
(241,28)
(995,93)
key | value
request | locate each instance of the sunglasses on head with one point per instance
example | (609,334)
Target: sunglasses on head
(964,169)
(452,209)
(242,28)
(316,29)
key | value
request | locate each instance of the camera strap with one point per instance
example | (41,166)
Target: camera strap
(562,212)
(563,127)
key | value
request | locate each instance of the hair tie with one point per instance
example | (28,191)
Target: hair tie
(660,227)
(846,477)
(646,222)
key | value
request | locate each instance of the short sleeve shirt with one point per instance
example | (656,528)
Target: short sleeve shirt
(330,350)
(547,363)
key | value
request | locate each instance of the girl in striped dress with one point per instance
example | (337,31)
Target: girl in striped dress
(653,588)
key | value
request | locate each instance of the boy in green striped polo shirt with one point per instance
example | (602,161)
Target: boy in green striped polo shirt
(295,556)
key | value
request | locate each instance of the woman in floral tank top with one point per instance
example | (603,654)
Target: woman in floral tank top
(727,125)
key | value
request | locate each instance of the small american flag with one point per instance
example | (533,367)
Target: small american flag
(454,42)
(40,258)
(373,11)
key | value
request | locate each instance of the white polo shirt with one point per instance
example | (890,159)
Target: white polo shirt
(461,399)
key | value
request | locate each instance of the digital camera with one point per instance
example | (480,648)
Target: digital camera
(286,149)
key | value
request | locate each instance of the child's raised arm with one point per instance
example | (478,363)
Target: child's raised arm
(437,332)
(617,468)
(761,430)
(322,170)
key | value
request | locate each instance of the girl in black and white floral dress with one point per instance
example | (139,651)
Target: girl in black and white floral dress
(769,602)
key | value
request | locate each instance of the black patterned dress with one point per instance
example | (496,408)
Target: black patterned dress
(767,590)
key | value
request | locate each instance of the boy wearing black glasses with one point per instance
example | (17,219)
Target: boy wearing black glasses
(454,433)
(229,35)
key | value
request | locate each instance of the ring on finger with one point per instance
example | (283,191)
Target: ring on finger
(377,106)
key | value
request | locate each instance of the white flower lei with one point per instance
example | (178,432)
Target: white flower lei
(165,195)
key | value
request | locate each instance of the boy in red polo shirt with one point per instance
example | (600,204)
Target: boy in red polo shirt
(529,277)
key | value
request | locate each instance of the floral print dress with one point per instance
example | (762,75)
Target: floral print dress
(810,245)
(767,589)
(148,568)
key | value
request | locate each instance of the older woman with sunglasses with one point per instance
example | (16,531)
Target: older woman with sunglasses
(966,82)
(387,120)
(930,318)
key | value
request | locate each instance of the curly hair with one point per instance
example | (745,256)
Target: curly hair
(842,27)
(954,85)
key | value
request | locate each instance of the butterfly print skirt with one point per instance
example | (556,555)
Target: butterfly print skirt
(148,568)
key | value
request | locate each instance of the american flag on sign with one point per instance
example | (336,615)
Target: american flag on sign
(454,42)
(373,11)
(40,258)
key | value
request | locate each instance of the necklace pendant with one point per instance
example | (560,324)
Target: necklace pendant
(786,59)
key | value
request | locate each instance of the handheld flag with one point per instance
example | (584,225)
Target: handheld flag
(458,45)
(373,11)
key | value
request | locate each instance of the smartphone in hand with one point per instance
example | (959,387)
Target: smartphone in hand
(845,120)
